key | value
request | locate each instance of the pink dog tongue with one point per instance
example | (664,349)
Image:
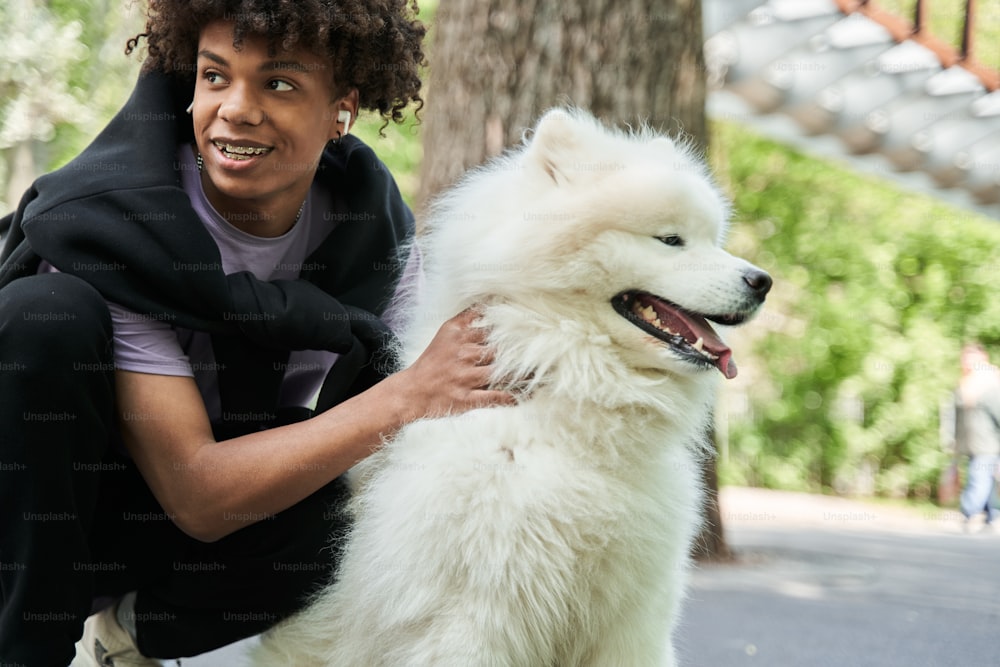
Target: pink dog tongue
(693,327)
(700,328)
(726,364)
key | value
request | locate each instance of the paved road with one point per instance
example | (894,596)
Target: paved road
(831,582)
(826,582)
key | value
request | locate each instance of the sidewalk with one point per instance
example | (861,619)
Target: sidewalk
(821,581)
(746,507)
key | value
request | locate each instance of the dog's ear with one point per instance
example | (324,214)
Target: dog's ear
(556,139)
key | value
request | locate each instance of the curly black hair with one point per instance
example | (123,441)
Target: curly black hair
(374,45)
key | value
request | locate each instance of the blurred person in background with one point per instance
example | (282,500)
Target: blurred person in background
(976,433)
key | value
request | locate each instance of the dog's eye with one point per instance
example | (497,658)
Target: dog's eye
(671,239)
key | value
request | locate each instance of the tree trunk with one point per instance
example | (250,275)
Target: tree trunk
(711,544)
(21,173)
(496,65)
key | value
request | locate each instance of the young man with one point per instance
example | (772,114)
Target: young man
(192,334)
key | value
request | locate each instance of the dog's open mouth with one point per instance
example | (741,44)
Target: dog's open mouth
(688,334)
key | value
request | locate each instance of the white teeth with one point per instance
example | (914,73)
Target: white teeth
(700,346)
(648,313)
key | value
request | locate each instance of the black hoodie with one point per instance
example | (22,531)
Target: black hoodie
(118,217)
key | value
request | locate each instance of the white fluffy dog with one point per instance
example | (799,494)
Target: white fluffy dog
(554,533)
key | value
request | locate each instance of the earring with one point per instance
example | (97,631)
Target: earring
(200,162)
(190,107)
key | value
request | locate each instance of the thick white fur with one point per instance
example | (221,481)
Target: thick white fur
(554,533)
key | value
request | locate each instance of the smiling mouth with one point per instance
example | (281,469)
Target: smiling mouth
(688,334)
(237,152)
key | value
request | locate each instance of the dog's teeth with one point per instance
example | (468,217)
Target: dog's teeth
(699,344)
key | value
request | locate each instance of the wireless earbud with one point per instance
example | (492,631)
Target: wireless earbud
(345,118)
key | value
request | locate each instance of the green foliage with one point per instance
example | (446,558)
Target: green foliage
(875,290)
(63,74)
(35,91)
(399,146)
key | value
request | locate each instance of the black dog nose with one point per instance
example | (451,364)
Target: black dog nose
(758,281)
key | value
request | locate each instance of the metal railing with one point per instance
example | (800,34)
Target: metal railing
(918,30)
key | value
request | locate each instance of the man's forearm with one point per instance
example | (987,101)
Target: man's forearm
(240,481)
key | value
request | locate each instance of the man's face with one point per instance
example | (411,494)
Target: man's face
(261,122)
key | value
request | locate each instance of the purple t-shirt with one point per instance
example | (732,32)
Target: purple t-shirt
(146,345)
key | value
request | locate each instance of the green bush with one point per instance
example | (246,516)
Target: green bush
(875,290)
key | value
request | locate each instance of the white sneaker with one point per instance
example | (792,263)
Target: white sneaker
(105,643)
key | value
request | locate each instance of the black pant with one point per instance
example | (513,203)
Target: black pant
(78,524)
